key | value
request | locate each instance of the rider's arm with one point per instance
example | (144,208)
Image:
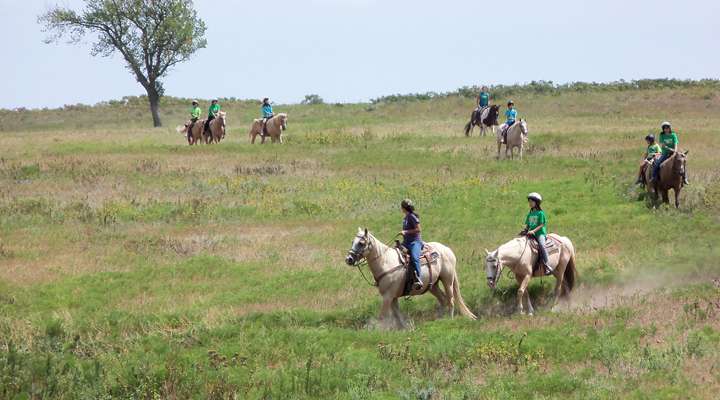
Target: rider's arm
(537,228)
(412,231)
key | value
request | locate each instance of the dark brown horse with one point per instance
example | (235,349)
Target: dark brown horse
(486,118)
(670,177)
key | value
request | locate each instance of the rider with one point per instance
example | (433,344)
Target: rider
(483,99)
(195,113)
(651,153)
(536,227)
(411,238)
(212,113)
(510,114)
(669,143)
(267,113)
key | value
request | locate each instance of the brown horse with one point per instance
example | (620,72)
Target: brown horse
(274,128)
(671,175)
(195,133)
(217,129)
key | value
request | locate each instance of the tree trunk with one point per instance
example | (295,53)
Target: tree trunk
(154,99)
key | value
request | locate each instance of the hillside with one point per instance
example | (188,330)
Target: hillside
(134,266)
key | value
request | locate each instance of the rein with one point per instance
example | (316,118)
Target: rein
(365,261)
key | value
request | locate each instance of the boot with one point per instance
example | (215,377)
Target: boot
(548,270)
(418,283)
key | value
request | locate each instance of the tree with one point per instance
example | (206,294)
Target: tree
(312,99)
(151,35)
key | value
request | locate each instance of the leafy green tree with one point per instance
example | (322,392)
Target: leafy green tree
(151,35)
(313,99)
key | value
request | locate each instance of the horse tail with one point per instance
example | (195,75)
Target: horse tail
(467,128)
(459,302)
(569,277)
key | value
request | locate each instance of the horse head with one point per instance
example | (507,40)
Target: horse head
(493,268)
(680,162)
(524,127)
(283,121)
(494,113)
(361,245)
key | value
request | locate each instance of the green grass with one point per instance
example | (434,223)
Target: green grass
(134,266)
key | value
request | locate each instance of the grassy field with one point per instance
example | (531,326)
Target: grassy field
(133,266)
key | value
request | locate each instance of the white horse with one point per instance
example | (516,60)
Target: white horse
(517,136)
(389,274)
(519,257)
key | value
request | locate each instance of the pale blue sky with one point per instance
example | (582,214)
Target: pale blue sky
(350,50)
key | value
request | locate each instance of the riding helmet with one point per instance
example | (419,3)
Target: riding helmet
(664,124)
(650,137)
(511,102)
(408,205)
(195,102)
(535,196)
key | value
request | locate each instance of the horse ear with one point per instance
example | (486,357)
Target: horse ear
(686,152)
(487,252)
(366,232)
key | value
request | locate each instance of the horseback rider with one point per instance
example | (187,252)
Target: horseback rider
(483,99)
(651,153)
(411,238)
(267,113)
(669,143)
(536,228)
(212,114)
(195,113)
(510,115)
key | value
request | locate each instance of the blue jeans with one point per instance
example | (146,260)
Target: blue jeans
(415,248)
(541,248)
(658,163)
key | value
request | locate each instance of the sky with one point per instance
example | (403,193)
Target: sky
(355,50)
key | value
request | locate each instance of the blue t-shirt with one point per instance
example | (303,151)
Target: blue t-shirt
(267,111)
(411,221)
(484,99)
(511,114)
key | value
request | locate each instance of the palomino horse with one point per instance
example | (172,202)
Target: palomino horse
(196,132)
(518,256)
(389,274)
(217,129)
(274,126)
(517,136)
(671,173)
(487,118)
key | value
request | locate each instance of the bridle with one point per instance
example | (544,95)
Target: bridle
(358,258)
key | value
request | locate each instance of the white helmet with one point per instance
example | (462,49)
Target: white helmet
(664,124)
(535,196)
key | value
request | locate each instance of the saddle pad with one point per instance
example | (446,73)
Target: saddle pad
(552,245)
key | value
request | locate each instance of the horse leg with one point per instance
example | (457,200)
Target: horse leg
(440,296)
(449,298)
(531,310)
(498,153)
(560,275)
(399,320)
(385,310)
(280,138)
(665,196)
(521,151)
(676,191)
(524,281)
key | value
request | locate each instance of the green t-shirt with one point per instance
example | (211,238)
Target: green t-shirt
(195,112)
(484,99)
(669,142)
(536,218)
(652,150)
(214,109)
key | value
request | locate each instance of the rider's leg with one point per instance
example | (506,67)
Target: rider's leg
(656,167)
(543,252)
(415,248)
(641,173)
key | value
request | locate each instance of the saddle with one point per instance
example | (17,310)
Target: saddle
(428,256)
(552,246)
